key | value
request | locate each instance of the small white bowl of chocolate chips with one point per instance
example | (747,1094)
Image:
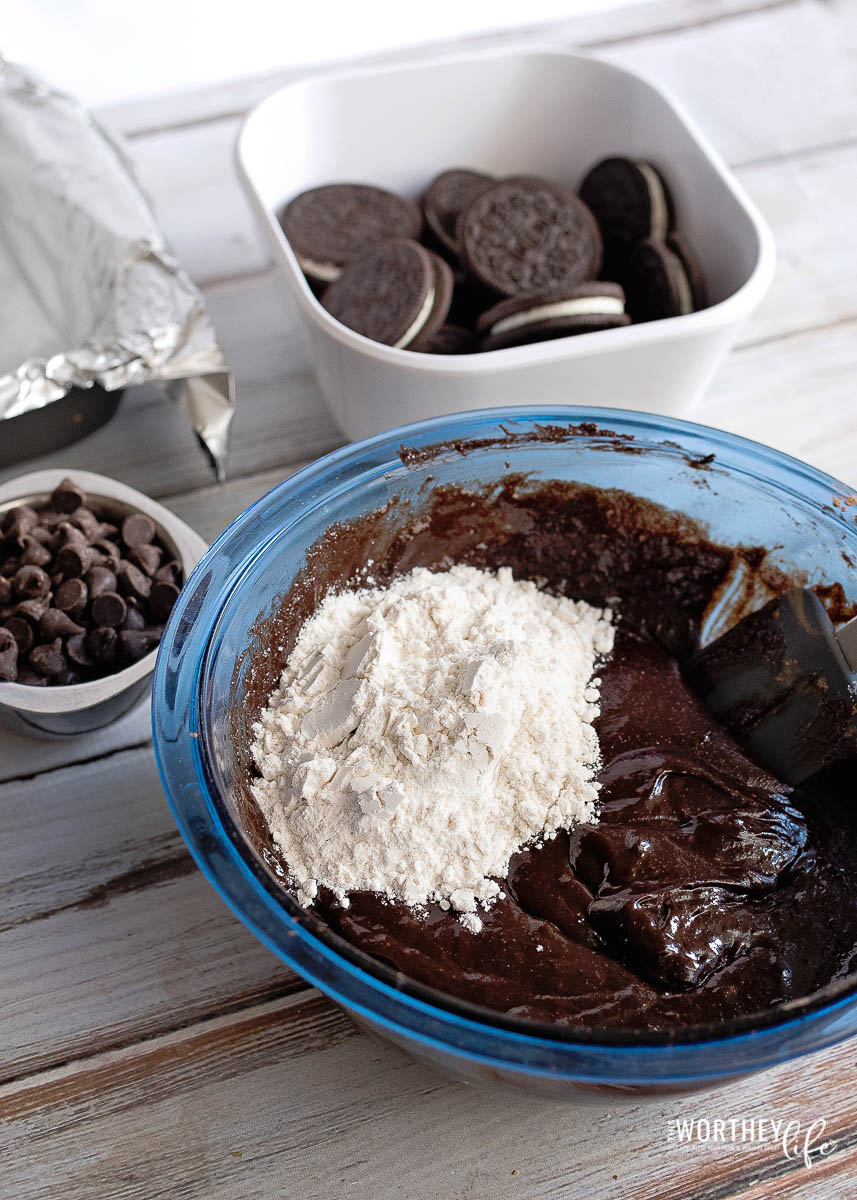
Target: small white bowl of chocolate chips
(90,570)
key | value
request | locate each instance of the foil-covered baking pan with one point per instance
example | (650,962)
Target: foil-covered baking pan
(92,301)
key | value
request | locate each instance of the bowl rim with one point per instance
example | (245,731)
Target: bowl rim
(731,308)
(339,954)
(190,546)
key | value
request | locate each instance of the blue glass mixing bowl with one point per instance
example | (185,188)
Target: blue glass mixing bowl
(745,494)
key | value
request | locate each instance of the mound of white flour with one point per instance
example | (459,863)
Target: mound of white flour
(421,734)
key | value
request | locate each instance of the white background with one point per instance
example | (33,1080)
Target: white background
(112,50)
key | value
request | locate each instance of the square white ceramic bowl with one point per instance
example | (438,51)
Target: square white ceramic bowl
(541,111)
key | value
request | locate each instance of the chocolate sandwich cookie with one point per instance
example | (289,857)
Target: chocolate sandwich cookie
(525,237)
(399,295)
(449,339)
(663,280)
(446,197)
(631,204)
(584,309)
(331,227)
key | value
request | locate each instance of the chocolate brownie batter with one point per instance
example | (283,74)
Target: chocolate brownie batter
(707,889)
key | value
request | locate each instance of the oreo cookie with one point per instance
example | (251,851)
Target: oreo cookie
(525,236)
(631,203)
(398,295)
(333,226)
(523,319)
(449,339)
(663,280)
(446,197)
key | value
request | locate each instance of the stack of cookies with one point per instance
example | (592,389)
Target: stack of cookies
(484,264)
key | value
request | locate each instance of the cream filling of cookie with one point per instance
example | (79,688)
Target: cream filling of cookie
(657,201)
(326,272)
(420,320)
(583,306)
(682,287)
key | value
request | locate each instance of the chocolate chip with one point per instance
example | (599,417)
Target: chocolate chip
(67,496)
(71,596)
(137,530)
(132,581)
(34,553)
(169,573)
(40,533)
(100,579)
(21,515)
(162,600)
(101,644)
(56,623)
(112,553)
(135,643)
(147,558)
(5,590)
(22,631)
(109,609)
(8,656)
(67,534)
(87,522)
(50,518)
(9,566)
(134,619)
(48,659)
(31,678)
(31,581)
(33,610)
(75,559)
(77,652)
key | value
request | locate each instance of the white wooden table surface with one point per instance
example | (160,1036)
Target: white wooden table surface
(149,1046)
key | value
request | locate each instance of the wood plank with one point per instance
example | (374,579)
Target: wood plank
(232,97)
(94,830)
(189,177)
(22,756)
(816,255)
(289,1099)
(737,78)
(796,394)
(115,970)
(210,509)
(827,1178)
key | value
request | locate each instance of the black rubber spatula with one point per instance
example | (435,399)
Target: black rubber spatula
(784,682)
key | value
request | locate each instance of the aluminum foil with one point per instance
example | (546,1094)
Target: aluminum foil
(89,292)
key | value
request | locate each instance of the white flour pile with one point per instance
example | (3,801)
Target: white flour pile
(421,734)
